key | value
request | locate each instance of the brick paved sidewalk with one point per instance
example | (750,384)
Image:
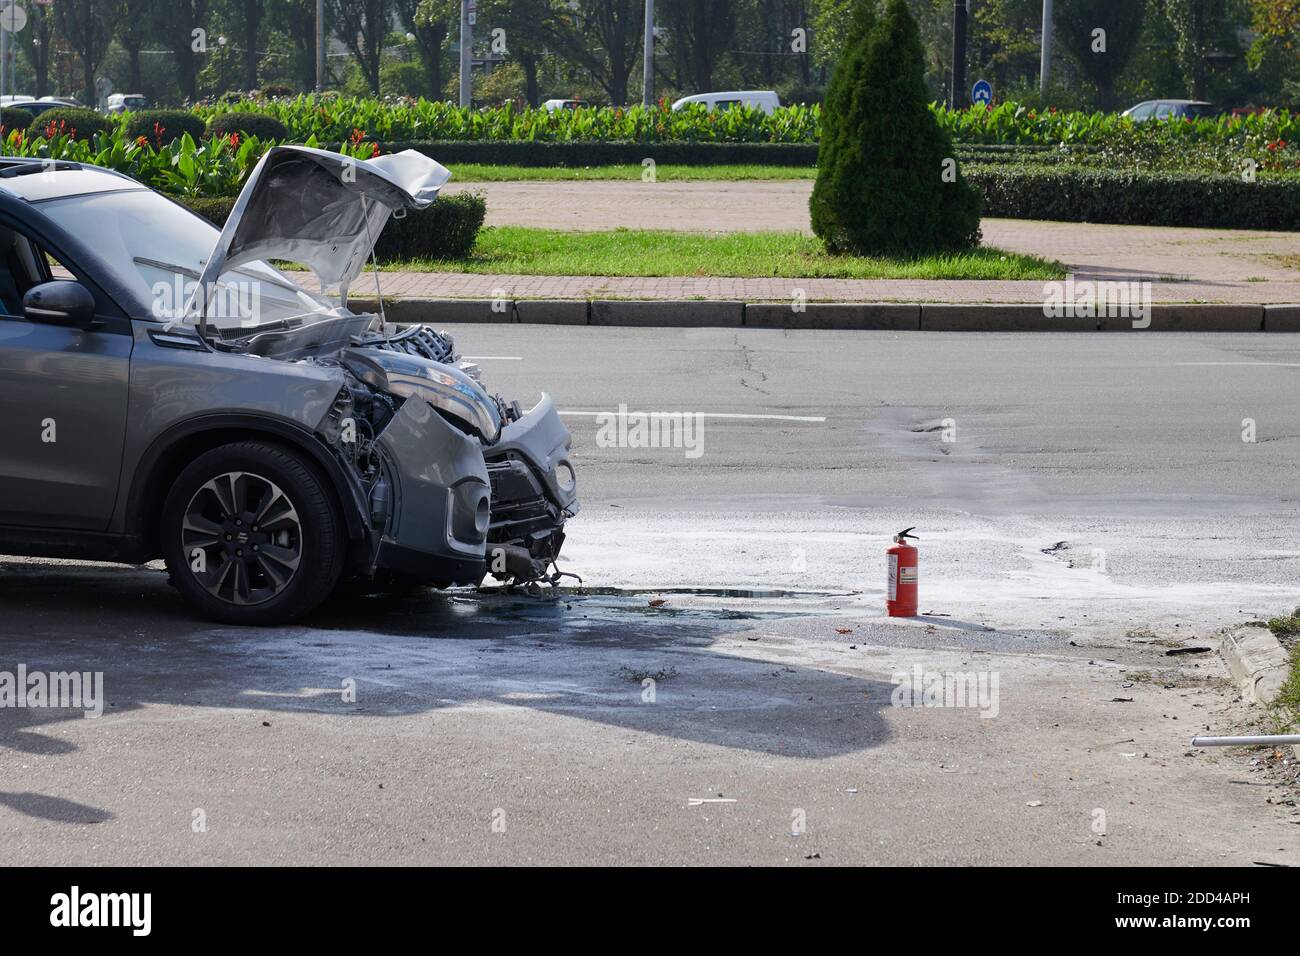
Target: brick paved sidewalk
(1188,265)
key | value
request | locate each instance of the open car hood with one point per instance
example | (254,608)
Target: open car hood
(322,209)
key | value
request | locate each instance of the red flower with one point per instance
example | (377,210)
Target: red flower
(142,141)
(374,150)
(234,140)
(357,136)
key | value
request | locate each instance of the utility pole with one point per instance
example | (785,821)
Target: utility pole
(1045,66)
(466,55)
(958,98)
(320,46)
(4,51)
(648,76)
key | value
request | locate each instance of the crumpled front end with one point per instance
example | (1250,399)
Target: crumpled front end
(460,483)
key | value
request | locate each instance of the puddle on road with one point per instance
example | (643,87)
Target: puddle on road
(576,608)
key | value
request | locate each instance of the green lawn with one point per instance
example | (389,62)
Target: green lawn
(478,173)
(627,252)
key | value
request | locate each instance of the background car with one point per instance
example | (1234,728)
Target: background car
(34,106)
(1171,109)
(122,102)
(552,105)
(765,100)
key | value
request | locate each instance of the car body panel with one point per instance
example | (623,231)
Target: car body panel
(62,442)
(540,436)
(170,386)
(439,479)
(321,209)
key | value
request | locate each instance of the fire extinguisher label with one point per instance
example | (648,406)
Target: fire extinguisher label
(907,575)
(893,577)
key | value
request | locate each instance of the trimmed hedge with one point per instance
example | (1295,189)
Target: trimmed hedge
(72,121)
(247,123)
(1075,194)
(12,118)
(160,127)
(446,229)
(578,154)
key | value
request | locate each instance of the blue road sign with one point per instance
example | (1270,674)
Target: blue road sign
(982,92)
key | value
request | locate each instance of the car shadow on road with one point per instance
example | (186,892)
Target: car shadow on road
(701,675)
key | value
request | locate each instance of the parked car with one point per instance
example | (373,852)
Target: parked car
(766,100)
(176,396)
(552,105)
(122,102)
(1171,109)
(31,104)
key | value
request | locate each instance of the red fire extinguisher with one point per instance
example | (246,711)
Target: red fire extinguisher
(902,557)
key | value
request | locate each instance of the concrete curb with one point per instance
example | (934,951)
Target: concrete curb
(1259,664)
(1258,661)
(845,316)
(656,313)
(954,317)
(833,315)
(1282,318)
(1193,318)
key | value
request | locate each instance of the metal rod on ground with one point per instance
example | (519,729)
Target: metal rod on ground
(648,73)
(466,55)
(1045,65)
(1262,739)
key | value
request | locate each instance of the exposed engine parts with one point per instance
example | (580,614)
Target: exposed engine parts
(418,340)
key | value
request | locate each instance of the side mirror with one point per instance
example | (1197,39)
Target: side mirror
(62,302)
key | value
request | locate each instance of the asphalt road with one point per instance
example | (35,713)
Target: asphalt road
(1097,509)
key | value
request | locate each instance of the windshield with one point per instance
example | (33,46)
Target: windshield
(159,249)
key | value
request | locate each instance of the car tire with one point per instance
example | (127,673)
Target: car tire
(235,570)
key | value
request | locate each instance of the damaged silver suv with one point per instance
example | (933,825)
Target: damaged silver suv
(166,391)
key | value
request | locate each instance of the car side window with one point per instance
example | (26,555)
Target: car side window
(23,264)
(1164,111)
(1142,111)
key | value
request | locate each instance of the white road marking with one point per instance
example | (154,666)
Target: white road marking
(1253,364)
(766,418)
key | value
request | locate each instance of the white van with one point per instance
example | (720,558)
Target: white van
(121,102)
(766,100)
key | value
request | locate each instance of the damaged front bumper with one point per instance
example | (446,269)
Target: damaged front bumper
(457,488)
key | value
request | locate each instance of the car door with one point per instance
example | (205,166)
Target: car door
(63,398)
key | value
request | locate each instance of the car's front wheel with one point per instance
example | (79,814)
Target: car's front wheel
(251,534)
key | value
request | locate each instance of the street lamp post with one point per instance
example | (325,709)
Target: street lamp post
(1045,65)
(320,46)
(959,14)
(466,55)
(648,76)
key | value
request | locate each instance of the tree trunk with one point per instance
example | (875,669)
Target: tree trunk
(185,74)
(88,75)
(252,21)
(133,70)
(529,63)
